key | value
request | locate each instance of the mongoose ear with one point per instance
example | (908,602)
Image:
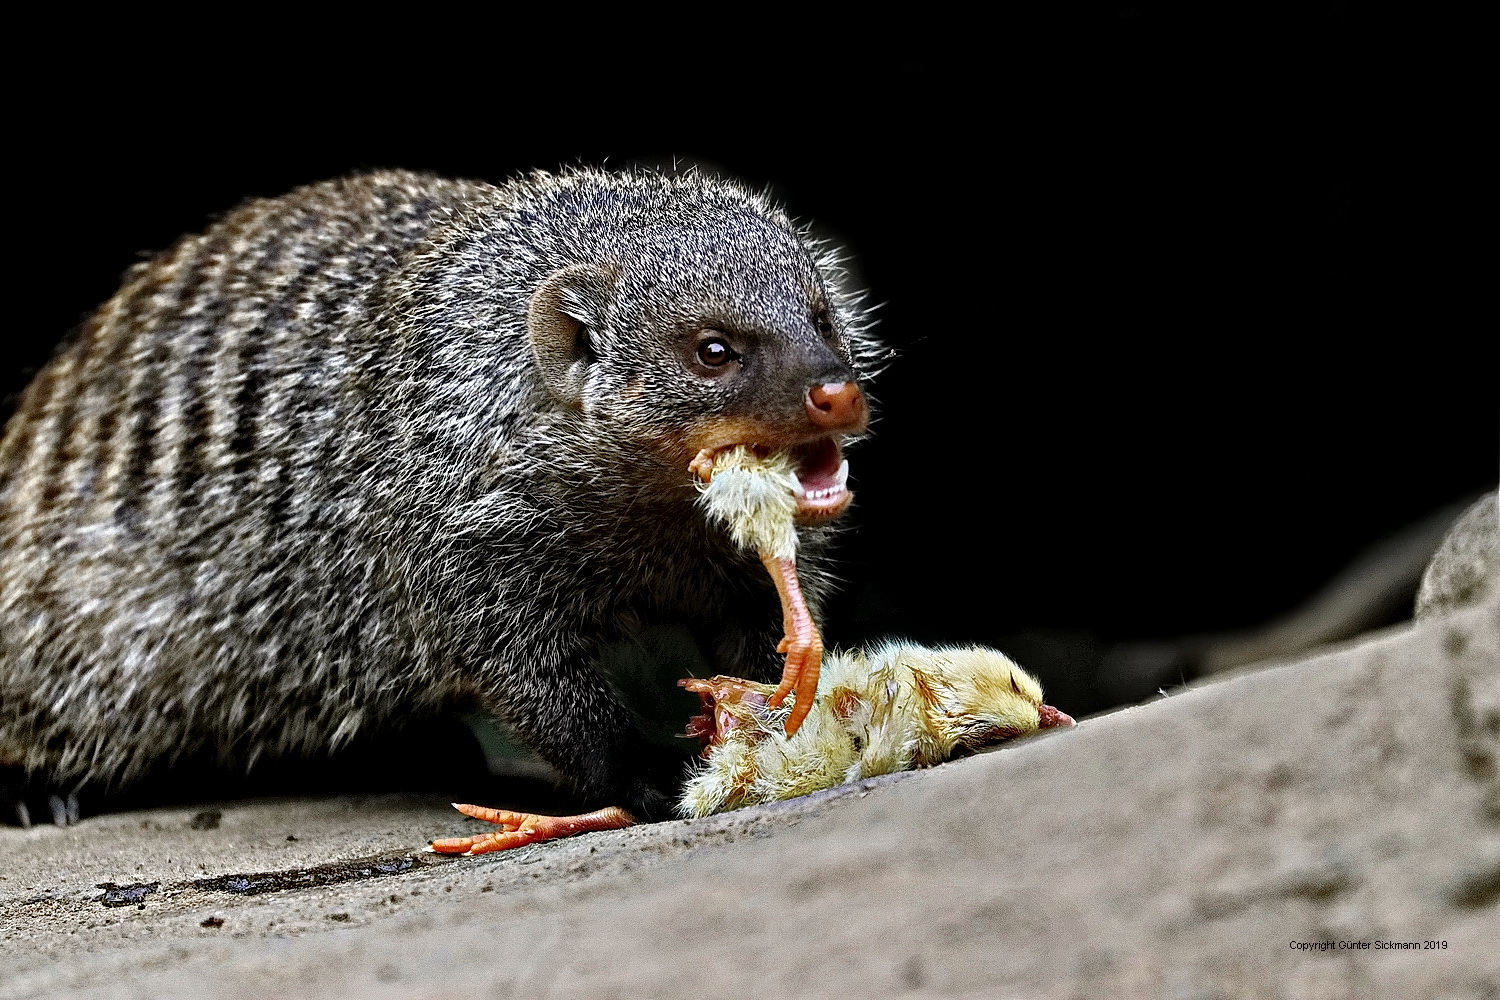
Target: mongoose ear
(558,322)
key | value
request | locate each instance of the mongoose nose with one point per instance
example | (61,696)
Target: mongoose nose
(836,406)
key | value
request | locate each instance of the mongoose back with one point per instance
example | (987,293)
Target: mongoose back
(395,445)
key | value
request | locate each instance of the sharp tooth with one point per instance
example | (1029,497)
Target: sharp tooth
(796,483)
(842,477)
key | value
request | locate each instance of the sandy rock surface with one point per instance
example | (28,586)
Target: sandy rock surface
(1202,845)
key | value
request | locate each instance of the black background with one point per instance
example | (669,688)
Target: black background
(1182,306)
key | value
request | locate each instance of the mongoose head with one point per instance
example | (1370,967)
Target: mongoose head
(696,317)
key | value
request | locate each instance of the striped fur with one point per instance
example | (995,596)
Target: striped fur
(300,477)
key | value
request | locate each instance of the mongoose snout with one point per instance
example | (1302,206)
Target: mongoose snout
(837,407)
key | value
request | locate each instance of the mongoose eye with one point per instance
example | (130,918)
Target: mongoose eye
(824,325)
(715,352)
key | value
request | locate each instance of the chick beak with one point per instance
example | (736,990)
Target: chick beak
(1053,717)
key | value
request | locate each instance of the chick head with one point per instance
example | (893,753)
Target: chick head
(969,698)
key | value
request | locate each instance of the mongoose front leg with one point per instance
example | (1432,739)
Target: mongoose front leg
(801,643)
(518,829)
(727,702)
(595,744)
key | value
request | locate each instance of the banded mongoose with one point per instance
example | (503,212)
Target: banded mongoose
(393,445)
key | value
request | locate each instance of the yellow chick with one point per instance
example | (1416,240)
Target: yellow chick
(894,708)
(897,707)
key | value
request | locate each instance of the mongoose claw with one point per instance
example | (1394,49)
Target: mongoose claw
(518,828)
(23,803)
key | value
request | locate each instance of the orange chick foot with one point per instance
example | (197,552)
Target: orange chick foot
(804,661)
(801,643)
(518,829)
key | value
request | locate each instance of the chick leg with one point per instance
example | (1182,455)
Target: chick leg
(801,643)
(517,829)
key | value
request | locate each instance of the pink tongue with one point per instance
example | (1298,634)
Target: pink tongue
(813,483)
(819,467)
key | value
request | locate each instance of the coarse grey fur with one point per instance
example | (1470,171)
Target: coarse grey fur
(393,445)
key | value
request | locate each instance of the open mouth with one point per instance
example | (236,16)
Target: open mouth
(822,480)
(820,475)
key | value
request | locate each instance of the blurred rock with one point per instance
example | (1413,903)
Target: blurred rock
(1466,566)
